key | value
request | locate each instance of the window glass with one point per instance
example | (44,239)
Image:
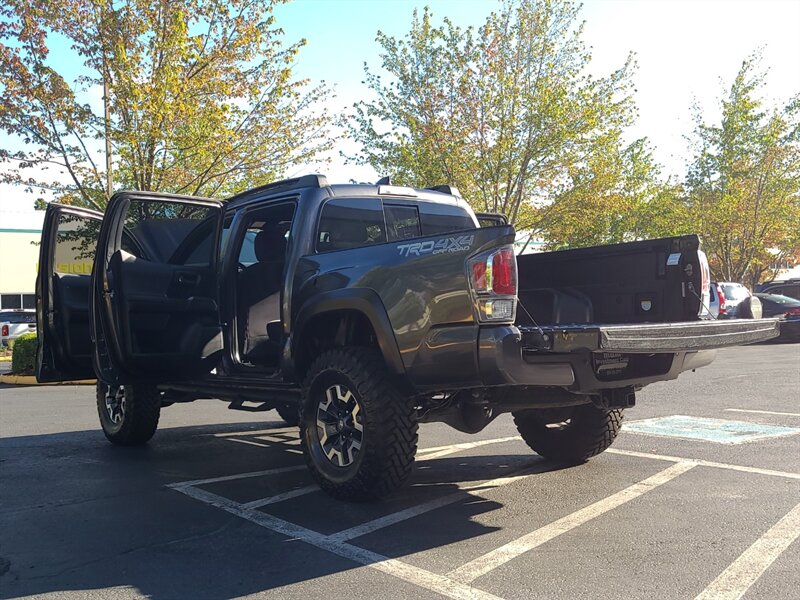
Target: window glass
(351,223)
(10,301)
(170,232)
(18,317)
(443,218)
(76,239)
(402,222)
(779,299)
(28,301)
(247,254)
(791,290)
(276,222)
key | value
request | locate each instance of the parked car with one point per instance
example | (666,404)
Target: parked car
(787,310)
(734,293)
(359,311)
(13,323)
(784,287)
(717,308)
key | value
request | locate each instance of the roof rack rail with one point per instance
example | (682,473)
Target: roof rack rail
(313,181)
(445,189)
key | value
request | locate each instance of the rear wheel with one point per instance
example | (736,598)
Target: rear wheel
(570,435)
(128,414)
(358,432)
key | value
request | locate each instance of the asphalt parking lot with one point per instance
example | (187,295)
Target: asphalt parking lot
(698,497)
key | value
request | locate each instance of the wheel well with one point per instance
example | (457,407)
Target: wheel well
(333,329)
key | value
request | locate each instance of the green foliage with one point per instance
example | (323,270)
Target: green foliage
(614,196)
(201,96)
(744,183)
(507,113)
(23,357)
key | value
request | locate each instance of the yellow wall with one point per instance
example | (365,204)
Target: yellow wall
(19,257)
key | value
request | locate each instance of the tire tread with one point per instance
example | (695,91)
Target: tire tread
(592,431)
(385,466)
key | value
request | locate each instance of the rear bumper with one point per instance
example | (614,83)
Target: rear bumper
(650,337)
(576,357)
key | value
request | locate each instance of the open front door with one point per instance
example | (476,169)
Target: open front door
(154,291)
(66,254)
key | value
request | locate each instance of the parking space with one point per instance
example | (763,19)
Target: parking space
(698,498)
(485,559)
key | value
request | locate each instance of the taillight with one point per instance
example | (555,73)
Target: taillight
(4,332)
(792,312)
(493,277)
(721,296)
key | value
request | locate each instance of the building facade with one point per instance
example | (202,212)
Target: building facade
(20,231)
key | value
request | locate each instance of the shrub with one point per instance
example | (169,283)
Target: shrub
(23,359)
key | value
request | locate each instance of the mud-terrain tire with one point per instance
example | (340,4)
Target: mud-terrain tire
(572,437)
(289,413)
(358,431)
(129,416)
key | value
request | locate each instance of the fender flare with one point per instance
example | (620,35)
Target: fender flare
(362,300)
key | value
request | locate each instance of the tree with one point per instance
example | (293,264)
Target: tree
(201,97)
(615,195)
(744,184)
(506,113)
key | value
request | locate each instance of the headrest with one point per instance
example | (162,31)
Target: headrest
(270,245)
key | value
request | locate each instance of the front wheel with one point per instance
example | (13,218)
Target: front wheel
(358,432)
(128,413)
(571,435)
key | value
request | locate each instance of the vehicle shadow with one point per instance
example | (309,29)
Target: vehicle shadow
(81,515)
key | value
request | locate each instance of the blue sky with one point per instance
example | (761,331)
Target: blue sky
(687,50)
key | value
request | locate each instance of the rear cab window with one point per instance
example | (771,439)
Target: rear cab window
(351,223)
(357,222)
(445,218)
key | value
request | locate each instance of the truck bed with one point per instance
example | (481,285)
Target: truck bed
(651,281)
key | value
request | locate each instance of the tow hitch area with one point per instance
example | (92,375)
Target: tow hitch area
(616,398)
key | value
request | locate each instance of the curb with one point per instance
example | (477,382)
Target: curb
(31,380)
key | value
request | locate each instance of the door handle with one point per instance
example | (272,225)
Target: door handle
(188,278)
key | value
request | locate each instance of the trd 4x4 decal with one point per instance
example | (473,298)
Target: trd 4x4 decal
(460,243)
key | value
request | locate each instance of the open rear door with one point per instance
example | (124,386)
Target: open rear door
(154,291)
(66,254)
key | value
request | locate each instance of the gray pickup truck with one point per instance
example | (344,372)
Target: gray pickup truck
(359,311)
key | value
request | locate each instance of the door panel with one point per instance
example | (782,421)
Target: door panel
(157,293)
(63,284)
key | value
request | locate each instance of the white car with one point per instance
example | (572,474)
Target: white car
(734,294)
(13,323)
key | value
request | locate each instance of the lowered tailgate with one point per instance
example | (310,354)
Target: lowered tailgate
(648,337)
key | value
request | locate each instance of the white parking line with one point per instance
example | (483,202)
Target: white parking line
(250,443)
(445,450)
(237,476)
(309,489)
(272,431)
(734,581)
(763,412)
(491,560)
(420,577)
(432,453)
(706,463)
(420,509)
